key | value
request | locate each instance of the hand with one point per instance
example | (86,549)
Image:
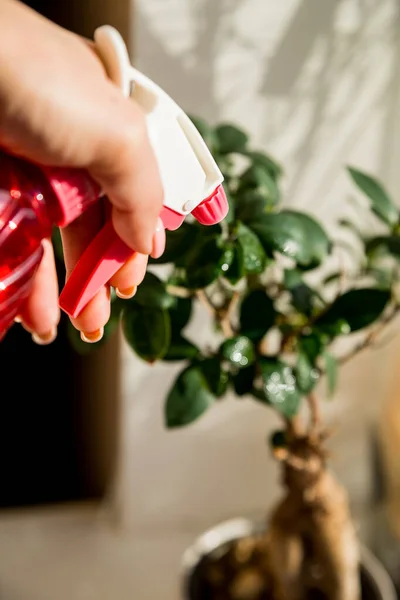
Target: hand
(58,108)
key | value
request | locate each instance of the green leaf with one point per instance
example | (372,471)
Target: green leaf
(257,315)
(353,310)
(152,292)
(381,203)
(302,295)
(279,386)
(177,278)
(147,330)
(230,139)
(303,299)
(217,378)
(109,329)
(389,244)
(331,371)
(248,255)
(292,278)
(230,217)
(178,243)
(295,235)
(243,381)
(254,258)
(206,132)
(239,351)
(236,269)
(259,179)
(311,345)
(209,260)
(250,205)
(306,374)
(57,244)
(188,399)
(264,160)
(180,349)
(384,278)
(180,313)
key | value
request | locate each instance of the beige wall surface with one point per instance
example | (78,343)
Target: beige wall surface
(316,83)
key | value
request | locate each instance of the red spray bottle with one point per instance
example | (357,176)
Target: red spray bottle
(34,199)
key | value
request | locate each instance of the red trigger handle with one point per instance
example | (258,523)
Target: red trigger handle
(104,256)
(107,253)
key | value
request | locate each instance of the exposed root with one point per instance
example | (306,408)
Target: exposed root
(312,544)
(310,549)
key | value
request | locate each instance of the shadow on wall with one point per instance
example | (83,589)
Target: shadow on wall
(315,23)
(308,78)
(190,82)
(312,20)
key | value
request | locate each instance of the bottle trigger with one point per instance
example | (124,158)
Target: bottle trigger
(104,256)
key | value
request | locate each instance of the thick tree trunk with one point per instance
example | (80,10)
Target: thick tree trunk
(312,543)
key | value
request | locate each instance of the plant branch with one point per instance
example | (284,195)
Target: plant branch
(315,413)
(225,315)
(179,292)
(370,339)
(226,328)
(206,302)
(294,426)
(234,301)
(342,277)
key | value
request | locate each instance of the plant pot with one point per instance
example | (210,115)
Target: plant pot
(375,581)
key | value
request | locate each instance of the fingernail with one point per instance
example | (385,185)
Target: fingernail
(91,337)
(126,293)
(158,240)
(45,338)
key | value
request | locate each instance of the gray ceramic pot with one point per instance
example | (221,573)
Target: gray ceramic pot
(375,581)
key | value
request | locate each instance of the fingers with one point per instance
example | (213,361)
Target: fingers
(75,238)
(40,314)
(159,240)
(125,167)
(94,316)
(126,280)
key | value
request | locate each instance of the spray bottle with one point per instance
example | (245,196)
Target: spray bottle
(34,199)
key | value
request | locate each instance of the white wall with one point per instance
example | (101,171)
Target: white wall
(316,82)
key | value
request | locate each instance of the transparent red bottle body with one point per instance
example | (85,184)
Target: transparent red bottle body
(29,208)
(24,223)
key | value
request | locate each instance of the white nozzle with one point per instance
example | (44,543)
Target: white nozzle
(188,171)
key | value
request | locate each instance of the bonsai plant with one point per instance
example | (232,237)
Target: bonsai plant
(279,299)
